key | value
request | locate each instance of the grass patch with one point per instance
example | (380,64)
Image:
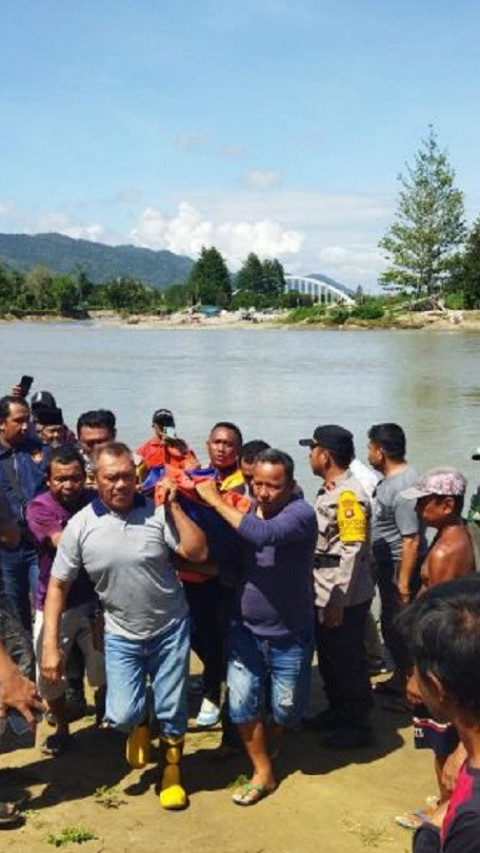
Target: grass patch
(71,834)
(370,836)
(109,798)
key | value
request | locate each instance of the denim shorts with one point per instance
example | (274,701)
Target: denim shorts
(277,667)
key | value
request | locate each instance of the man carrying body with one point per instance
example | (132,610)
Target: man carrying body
(207,596)
(271,637)
(47,517)
(396,539)
(124,546)
(21,477)
(343,589)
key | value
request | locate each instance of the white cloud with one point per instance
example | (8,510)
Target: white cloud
(191,139)
(262,179)
(189,230)
(60,223)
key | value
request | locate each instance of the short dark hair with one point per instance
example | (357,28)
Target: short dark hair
(391,438)
(343,455)
(232,427)
(7,401)
(97,418)
(277,457)
(458,502)
(251,448)
(66,454)
(446,639)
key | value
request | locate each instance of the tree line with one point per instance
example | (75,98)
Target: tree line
(258,284)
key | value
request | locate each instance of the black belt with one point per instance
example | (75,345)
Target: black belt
(326,561)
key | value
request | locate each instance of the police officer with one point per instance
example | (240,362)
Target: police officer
(343,588)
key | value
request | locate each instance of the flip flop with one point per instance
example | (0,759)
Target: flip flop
(249,794)
(412,820)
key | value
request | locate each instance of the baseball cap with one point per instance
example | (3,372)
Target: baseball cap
(163,417)
(476,455)
(43,400)
(50,416)
(330,436)
(448,482)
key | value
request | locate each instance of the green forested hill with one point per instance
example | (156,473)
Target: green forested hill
(101,263)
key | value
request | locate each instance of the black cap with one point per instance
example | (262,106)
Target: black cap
(43,400)
(332,437)
(49,416)
(163,417)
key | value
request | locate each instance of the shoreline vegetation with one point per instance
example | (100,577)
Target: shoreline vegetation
(438,319)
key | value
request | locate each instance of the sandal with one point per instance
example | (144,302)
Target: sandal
(413,820)
(249,794)
(56,744)
(9,815)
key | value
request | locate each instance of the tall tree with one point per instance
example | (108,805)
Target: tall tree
(251,275)
(210,279)
(423,243)
(469,273)
(273,277)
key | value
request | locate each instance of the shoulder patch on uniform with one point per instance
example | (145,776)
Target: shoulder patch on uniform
(352,519)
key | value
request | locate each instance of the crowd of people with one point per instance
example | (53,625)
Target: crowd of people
(115,564)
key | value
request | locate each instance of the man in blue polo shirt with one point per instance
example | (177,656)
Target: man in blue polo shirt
(125,546)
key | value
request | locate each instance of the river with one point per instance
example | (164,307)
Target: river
(275,384)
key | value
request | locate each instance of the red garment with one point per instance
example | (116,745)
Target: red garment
(155,453)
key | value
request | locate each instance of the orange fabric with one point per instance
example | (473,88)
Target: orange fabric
(155,453)
(186,485)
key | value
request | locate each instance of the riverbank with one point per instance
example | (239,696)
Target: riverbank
(330,801)
(423,320)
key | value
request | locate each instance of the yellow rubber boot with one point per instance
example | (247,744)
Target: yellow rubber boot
(172,794)
(138,746)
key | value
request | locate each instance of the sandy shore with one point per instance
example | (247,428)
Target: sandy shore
(333,802)
(466,321)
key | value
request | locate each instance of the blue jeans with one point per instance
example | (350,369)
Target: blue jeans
(164,659)
(256,663)
(20,576)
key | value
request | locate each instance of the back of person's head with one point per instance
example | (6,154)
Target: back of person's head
(251,449)
(232,427)
(277,457)
(446,639)
(391,439)
(6,402)
(96,418)
(66,454)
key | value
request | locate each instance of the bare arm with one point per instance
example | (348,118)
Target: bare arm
(408,562)
(54,606)
(193,544)
(209,492)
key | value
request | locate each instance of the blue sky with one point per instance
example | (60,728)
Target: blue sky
(275,126)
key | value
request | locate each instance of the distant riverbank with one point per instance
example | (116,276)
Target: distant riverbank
(433,320)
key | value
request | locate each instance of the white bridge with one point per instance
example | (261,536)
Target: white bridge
(320,291)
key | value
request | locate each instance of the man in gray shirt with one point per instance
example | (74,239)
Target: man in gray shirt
(125,546)
(396,537)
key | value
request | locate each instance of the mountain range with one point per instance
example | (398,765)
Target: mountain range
(63,254)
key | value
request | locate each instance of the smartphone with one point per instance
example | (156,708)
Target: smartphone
(26,383)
